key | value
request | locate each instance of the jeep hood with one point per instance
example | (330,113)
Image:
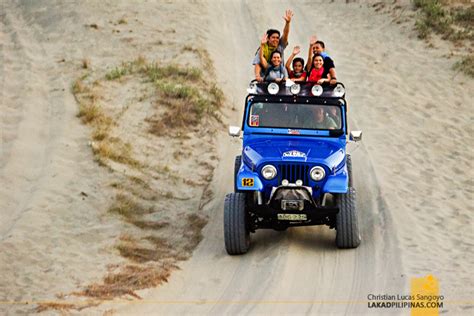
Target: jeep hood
(328,152)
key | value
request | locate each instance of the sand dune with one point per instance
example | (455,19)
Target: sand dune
(414,171)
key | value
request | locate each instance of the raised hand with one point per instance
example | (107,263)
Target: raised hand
(264,39)
(296,50)
(312,40)
(288,16)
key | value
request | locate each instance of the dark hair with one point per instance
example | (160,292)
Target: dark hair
(273,53)
(270,32)
(314,58)
(298,59)
(321,43)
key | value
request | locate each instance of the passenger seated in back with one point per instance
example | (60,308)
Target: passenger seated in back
(273,42)
(317,73)
(275,72)
(297,74)
(318,47)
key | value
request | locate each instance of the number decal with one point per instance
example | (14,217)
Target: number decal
(247,182)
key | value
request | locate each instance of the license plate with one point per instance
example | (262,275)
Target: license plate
(292,217)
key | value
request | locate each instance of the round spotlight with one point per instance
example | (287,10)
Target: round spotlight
(269,172)
(252,89)
(295,89)
(317,173)
(299,183)
(273,88)
(285,182)
(317,90)
(339,90)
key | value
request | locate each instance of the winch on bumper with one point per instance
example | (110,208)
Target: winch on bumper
(292,205)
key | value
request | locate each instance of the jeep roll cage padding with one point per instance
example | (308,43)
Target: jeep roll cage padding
(285,96)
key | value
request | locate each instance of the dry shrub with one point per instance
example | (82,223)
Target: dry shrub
(44,306)
(79,87)
(140,254)
(194,231)
(114,149)
(128,207)
(128,280)
(154,225)
(466,65)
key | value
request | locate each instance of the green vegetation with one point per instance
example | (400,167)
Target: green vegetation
(116,73)
(450,23)
(466,65)
(454,23)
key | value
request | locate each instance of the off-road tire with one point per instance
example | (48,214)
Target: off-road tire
(347,226)
(238,162)
(236,233)
(349,170)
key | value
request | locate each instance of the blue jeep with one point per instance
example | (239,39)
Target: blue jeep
(294,169)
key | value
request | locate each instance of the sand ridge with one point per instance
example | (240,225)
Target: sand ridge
(413,170)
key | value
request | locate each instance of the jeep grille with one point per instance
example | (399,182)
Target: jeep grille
(293,172)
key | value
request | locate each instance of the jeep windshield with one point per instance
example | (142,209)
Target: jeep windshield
(295,116)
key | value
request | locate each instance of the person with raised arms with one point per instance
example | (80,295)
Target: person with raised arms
(273,42)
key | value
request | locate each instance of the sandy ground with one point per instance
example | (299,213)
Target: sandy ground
(413,170)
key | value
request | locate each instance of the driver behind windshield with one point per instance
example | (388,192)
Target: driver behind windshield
(317,118)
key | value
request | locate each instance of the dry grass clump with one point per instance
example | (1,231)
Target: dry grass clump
(186,106)
(112,148)
(106,147)
(116,73)
(133,212)
(466,65)
(158,249)
(79,87)
(128,207)
(454,24)
(128,280)
(58,306)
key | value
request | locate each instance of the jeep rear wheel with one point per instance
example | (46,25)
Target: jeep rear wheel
(347,226)
(236,233)
(238,162)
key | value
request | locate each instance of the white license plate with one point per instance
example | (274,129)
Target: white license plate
(292,217)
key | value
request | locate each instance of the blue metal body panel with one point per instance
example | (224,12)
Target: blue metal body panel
(300,150)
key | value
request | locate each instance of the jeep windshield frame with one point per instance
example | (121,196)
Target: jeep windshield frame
(298,129)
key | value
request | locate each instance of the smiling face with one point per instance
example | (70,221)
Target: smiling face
(318,62)
(318,48)
(297,67)
(273,40)
(276,59)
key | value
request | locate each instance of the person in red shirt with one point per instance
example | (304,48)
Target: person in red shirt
(317,73)
(297,74)
(318,47)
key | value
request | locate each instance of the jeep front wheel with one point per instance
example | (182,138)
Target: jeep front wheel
(237,163)
(236,233)
(347,226)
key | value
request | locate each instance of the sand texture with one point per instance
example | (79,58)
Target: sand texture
(413,170)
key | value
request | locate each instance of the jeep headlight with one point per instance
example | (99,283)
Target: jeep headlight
(269,172)
(317,173)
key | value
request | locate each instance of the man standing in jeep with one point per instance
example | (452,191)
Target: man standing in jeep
(274,42)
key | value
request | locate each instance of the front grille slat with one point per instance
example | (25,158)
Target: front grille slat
(293,172)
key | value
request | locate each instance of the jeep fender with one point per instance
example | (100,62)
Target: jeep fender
(247,180)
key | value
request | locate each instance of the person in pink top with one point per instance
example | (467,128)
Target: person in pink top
(317,73)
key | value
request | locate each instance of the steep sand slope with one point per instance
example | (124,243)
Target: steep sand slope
(413,173)
(413,170)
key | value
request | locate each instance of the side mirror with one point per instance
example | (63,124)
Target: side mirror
(234,131)
(355,136)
